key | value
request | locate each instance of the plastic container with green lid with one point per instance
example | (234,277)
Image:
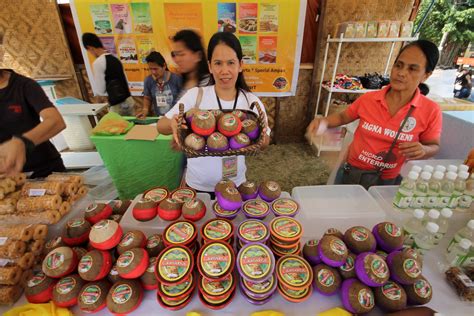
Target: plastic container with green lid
(174,264)
(216,260)
(255,262)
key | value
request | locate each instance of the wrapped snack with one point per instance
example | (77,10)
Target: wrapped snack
(70,188)
(394,30)
(17,232)
(48,187)
(384,28)
(346,28)
(72,198)
(82,191)
(10,275)
(7,206)
(65,177)
(463,285)
(360,29)
(40,232)
(64,208)
(39,204)
(12,249)
(9,294)
(37,246)
(47,217)
(406,28)
(372,29)
(8,185)
(19,179)
(24,262)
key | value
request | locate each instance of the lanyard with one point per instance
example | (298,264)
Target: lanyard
(219,101)
(161,85)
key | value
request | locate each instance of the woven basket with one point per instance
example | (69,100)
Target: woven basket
(250,150)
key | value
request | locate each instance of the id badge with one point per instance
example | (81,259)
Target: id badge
(161,101)
(229,167)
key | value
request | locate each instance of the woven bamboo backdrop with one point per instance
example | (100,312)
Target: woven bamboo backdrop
(35,44)
(359,58)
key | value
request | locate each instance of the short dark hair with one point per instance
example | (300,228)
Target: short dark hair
(193,42)
(157,58)
(429,49)
(92,40)
(233,42)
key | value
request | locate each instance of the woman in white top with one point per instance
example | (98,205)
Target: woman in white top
(227,91)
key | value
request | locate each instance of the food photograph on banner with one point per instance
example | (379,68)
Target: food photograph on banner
(131,30)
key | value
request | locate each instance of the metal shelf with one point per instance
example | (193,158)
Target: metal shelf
(372,40)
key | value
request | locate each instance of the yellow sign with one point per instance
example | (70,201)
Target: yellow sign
(269,31)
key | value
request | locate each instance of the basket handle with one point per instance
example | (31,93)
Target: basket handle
(262,118)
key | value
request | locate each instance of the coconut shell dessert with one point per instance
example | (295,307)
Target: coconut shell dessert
(310,252)
(248,190)
(59,262)
(95,265)
(203,123)
(420,292)
(371,269)
(403,268)
(145,210)
(132,263)
(131,239)
(332,251)
(105,235)
(195,142)
(39,288)
(334,232)
(326,280)
(66,291)
(347,270)
(413,253)
(229,125)
(119,206)
(357,297)
(269,191)
(80,252)
(148,278)
(390,297)
(113,275)
(169,209)
(93,296)
(250,128)
(217,142)
(124,297)
(154,245)
(359,239)
(241,115)
(115,217)
(53,244)
(229,199)
(389,236)
(239,141)
(222,185)
(76,232)
(189,115)
(194,210)
(156,194)
(96,212)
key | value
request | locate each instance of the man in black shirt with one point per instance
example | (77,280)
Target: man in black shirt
(109,77)
(24,138)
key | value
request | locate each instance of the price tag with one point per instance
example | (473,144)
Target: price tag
(37,192)
(3,240)
(229,167)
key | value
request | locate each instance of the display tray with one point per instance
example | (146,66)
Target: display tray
(336,206)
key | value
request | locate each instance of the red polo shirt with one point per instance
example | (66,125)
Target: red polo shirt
(377,130)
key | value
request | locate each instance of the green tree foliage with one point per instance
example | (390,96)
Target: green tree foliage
(454,17)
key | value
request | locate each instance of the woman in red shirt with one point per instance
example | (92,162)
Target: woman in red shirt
(381,115)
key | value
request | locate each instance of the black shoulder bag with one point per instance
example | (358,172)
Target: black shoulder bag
(368,178)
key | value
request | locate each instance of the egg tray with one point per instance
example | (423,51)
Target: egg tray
(250,150)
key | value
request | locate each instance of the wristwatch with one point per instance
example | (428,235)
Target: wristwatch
(29,145)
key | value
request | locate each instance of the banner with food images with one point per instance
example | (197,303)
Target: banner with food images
(270,32)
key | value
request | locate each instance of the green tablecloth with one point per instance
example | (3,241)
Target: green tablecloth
(137,165)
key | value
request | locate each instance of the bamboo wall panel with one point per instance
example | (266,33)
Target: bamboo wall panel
(35,44)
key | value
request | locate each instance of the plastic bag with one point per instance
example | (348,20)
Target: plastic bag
(112,124)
